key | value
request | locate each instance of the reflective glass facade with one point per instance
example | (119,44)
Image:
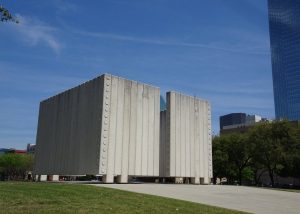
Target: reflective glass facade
(284,18)
(163,105)
(232,119)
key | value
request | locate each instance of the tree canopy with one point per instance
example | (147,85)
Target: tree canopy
(14,166)
(6,15)
(271,147)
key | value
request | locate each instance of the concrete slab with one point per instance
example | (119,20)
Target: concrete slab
(107,126)
(248,199)
(186,138)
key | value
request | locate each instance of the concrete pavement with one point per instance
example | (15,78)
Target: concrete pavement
(248,199)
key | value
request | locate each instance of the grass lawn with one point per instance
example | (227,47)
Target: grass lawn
(23,197)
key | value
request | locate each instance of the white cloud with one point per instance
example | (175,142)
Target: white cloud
(64,6)
(172,42)
(34,32)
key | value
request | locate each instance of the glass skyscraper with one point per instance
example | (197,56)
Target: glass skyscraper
(284,18)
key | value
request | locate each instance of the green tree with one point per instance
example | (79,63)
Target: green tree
(15,166)
(220,159)
(239,152)
(267,147)
(6,15)
(291,154)
(231,156)
(271,142)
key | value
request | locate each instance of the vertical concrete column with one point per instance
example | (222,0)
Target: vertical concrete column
(55,177)
(202,181)
(162,150)
(151,125)
(171,134)
(122,179)
(188,128)
(133,128)
(192,135)
(145,129)
(195,180)
(202,139)
(105,128)
(43,178)
(210,167)
(119,126)
(139,130)
(108,179)
(126,133)
(206,180)
(197,139)
(178,133)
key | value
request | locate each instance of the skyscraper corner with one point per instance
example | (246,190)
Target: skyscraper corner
(284,19)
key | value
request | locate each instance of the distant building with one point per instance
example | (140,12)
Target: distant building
(284,18)
(252,119)
(4,151)
(232,119)
(17,151)
(30,148)
(238,122)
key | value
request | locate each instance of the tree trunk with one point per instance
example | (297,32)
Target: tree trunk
(271,174)
(258,175)
(215,180)
(240,177)
(255,177)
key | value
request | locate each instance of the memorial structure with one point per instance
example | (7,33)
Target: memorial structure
(112,127)
(185,139)
(107,126)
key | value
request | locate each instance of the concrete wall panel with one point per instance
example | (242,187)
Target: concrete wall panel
(64,144)
(139,130)
(133,132)
(133,128)
(163,153)
(111,122)
(192,134)
(185,138)
(171,134)
(156,156)
(107,126)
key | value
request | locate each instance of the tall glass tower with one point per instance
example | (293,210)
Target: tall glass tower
(284,18)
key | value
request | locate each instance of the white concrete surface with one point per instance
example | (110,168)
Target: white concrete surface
(43,178)
(130,130)
(55,177)
(248,199)
(69,129)
(185,138)
(107,126)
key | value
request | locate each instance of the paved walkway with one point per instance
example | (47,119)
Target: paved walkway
(248,199)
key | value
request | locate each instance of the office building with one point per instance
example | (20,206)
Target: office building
(284,19)
(30,149)
(232,119)
(238,122)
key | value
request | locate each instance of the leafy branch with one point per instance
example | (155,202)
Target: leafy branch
(6,15)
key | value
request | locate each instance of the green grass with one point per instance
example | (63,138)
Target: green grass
(22,197)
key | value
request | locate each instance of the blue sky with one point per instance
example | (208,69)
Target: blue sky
(214,49)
